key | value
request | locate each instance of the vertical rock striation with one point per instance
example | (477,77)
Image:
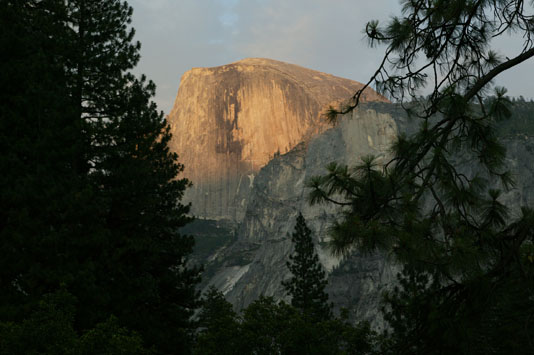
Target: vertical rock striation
(229,121)
(250,134)
(254,263)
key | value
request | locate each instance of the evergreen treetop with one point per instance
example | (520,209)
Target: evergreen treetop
(307,284)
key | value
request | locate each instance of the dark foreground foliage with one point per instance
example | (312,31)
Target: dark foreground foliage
(436,206)
(49,329)
(90,193)
(270,327)
(306,326)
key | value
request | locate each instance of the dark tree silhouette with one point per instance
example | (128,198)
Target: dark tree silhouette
(90,191)
(468,279)
(308,281)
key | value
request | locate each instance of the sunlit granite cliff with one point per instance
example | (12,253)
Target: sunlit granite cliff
(230,121)
(250,135)
(249,260)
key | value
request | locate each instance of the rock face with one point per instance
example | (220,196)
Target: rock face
(254,262)
(250,135)
(230,121)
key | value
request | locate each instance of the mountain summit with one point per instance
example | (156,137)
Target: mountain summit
(229,121)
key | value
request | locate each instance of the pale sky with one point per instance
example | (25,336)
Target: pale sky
(325,35)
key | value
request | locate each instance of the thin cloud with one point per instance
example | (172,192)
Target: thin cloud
(319,34)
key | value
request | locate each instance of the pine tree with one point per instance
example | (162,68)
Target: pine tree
(141,256)
(219,327)
(43,202)
(307,284)
(468,277)
(91,194)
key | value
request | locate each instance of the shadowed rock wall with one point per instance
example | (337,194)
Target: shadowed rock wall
(254,263)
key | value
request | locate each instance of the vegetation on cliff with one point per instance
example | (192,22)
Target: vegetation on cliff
(467,283)
(306,326)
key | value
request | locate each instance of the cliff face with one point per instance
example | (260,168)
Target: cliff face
(254,263)
(250,135)
(229,121)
